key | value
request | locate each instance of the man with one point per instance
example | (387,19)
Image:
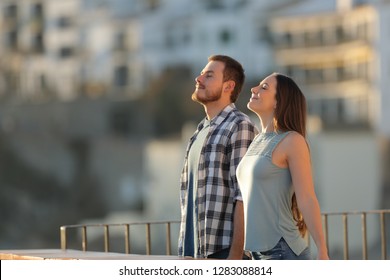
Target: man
(211,204)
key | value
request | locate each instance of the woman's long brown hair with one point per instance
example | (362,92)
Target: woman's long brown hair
(290,115)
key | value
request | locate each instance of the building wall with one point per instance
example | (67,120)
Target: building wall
(383,35)
(347,172)
(79,37)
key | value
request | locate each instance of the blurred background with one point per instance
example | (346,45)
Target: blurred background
(96,110)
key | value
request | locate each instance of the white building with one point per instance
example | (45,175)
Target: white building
(39,38)
(336,51)
(117,47)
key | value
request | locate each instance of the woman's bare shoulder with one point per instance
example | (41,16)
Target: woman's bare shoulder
(294,141)
(295,137)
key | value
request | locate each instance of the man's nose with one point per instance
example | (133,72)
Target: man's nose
(198,78)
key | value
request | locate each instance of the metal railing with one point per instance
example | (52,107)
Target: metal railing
(126,235)
(126,227)
(345,217)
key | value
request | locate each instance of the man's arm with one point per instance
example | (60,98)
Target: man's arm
(237,247)
(241,140)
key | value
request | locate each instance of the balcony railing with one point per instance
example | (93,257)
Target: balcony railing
(126,231)
(344,217)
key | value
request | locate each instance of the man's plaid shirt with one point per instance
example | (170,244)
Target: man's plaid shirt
(231,133)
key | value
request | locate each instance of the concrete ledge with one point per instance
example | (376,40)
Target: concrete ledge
(58,254)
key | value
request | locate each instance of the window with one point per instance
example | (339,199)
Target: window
(42,81)
(225,36)
(340,73)
(289,70)
(315,76)
(64,22)
(152,4)
(120,41)
(263,33)
(12,40)
(339,34)
(37,43)
(11,11)
(66,52)
(37,10)
(121,76)
(287,40)
(362,31)
(330,111)
(213,4)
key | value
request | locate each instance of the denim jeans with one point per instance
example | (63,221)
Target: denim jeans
(224,254)
(281,252)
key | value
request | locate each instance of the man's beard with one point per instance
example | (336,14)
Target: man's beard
(207,97)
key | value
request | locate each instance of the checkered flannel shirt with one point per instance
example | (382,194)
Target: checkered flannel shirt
(231,133)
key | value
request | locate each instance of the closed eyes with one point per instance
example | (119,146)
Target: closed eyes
(264,86)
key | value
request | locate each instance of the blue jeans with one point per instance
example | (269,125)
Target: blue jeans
(224,254)
(281,252)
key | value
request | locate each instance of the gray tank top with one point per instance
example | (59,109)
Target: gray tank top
(267,192)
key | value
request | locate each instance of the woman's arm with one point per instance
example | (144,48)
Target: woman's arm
(298,159)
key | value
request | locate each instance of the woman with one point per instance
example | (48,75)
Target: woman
(275,176)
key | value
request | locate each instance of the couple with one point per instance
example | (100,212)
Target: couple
(243,190)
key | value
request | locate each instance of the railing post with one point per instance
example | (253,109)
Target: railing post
(106,239)
(168,239)
(325,222)
(84,238)
(63,237)
(383,235)
(364,235)
(345,220)
(148,242)
(127,239)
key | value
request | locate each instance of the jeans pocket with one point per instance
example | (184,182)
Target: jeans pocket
(275,253)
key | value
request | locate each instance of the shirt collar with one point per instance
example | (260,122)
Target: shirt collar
(218,119)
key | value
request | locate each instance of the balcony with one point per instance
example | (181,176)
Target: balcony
(82,231)
(377,249)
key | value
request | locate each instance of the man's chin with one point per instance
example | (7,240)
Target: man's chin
(195,97)
(199,101)
(204,100)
